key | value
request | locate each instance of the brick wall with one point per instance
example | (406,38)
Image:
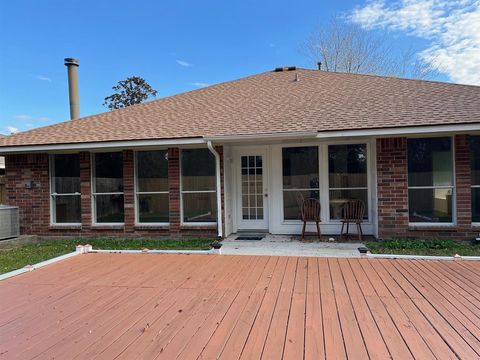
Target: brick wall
(34,202)
(393,192)
(392,187)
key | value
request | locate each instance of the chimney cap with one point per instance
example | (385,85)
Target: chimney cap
(72,61)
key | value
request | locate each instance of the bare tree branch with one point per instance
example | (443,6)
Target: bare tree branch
(345,47)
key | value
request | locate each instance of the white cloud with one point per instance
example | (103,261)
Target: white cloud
(200,84)
(184,63)
(44,78)
(12,129)
(451,28)
(23,117)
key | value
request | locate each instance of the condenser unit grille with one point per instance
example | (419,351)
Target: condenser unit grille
(9,222)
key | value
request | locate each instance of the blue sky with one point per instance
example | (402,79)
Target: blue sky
(182,45)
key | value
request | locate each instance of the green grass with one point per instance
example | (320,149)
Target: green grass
(17,257)
(412,246)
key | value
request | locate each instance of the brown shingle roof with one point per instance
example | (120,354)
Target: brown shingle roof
(273,102)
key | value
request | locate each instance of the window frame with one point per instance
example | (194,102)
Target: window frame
(137,193)
(51,173)
(186,223)
(94,194)
(324,195)
(472,186)
(453,186)
(369,204)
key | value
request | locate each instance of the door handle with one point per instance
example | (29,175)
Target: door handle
(266,195)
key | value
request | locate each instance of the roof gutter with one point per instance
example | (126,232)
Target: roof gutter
(99,145)
(219,188)
(412,130)
(265,136)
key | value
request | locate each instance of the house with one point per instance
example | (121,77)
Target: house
(242,155)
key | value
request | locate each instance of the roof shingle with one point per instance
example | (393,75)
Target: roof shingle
(273,102)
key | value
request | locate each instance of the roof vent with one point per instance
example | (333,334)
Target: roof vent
(285,68)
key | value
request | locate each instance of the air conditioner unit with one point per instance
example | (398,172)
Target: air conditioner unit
(9,222)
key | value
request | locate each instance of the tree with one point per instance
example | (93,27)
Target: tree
(346,47)
(133,90)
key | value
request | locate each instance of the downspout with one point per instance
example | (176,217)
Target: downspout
(219,188)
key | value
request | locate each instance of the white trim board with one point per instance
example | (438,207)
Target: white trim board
(412,130)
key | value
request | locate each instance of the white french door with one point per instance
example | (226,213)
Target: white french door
(252,191)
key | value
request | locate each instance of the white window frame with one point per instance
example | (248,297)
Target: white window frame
(453,187)
(137,193)
(472,186)
(324,180)
(368,187)
(53,217)
(94,194)
(182,222)
(319,188)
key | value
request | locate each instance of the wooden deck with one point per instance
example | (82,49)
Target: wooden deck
(112,306)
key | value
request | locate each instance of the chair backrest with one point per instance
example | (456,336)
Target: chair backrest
(311,210)
(354,210)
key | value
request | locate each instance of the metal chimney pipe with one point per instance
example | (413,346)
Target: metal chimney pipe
(72,68)
(319,65)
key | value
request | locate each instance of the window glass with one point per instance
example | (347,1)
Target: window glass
(108,187)
(430,162)
(198,170)
(475,161)
(152,171)
(300,167)
(66,174)
(200,207)
(347,177)
(300,179)
(108,172)
(430,180)
(347,166)
(198,186)
(153,208)
(65,184)
(67,209)
(430,205)
(109,208)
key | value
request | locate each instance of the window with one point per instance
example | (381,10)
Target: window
(152,187)
(475,160)
(108,187)
(198,186)
(300,179)
(347,177)
(65,188)
(430,180)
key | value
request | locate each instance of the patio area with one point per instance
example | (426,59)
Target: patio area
(125,306)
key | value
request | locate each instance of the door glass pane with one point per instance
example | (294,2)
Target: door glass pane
(338,198)
(152,171)
(153,208)
(67,209)
(347,166)
(430,205)
(300,167)
(430,162)
(66,174)
(293,200)
(108,172)
(252,187)
(109,208)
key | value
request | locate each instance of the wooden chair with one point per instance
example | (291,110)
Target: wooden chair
(311,212)
(353,212)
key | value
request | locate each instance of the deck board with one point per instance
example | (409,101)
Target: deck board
(145,306)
